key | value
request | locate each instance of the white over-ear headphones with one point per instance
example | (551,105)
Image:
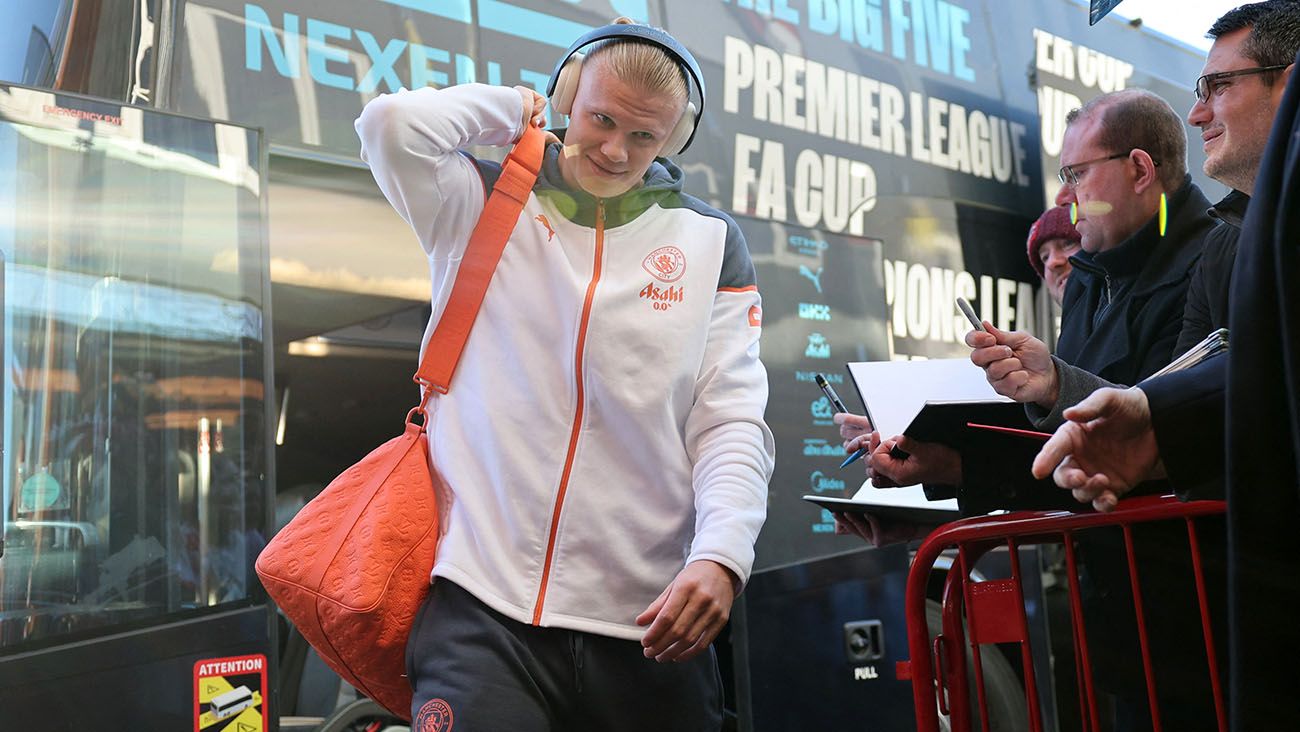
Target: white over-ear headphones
(563,86)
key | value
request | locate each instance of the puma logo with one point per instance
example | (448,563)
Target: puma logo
(541,219)
(814,277)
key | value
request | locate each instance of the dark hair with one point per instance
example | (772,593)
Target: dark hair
(1136,118)
(1274,38)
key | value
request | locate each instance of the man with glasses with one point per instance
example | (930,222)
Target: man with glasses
(1183,425)
(1236,100)
(1143,223)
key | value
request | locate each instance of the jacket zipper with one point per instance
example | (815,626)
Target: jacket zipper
(578,412)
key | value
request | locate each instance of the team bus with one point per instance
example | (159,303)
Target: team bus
(209,310)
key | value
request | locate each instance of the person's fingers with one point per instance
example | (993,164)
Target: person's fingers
(686,635)
(527,103)
(1001,369)
(1096,405)
(1053,453)
(700,646)
(859,526)
(876,535)
(984,357)
(677,615)
(654,640)
(979,339)
(652,610)
(1012,338)
(1106,502)
(902,442)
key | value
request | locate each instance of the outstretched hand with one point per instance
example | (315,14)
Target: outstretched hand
(689,613)
(1106,447)
(1016,364)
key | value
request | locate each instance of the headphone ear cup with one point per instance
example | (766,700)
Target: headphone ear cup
(681,133)
(566,85)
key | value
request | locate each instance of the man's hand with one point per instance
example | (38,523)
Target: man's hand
(856,432)
(1106,448)
(534,106)
(688,614)
(926,462)
(534,112)
(878,531)
(1016,364)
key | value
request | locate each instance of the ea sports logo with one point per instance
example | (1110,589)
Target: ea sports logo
(666,264)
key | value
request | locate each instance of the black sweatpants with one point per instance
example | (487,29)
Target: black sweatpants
(475,670)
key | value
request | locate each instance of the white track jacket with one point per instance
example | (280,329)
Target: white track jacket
(605,424)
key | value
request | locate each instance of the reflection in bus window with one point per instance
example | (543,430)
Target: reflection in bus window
(134,444)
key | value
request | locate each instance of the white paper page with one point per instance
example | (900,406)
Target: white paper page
(909,497)
(894,391)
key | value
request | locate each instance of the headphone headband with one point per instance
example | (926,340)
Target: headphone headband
(647,34)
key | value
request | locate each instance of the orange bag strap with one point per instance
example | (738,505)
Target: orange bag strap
(495,224)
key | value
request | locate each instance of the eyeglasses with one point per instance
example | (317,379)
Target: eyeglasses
(1069,174)
(1209,83)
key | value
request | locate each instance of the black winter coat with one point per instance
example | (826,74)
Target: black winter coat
(1207,293)
(1123,308)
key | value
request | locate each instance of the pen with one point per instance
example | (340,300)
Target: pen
(829,391)
(834,398)
(850,459)
(1030,434)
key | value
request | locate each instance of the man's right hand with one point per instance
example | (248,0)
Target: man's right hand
(926,462)
(534,107)
(1107,447)
(1016,364)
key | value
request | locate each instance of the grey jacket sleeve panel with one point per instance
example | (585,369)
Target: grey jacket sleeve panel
(1075,386)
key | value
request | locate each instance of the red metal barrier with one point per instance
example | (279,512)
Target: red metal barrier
(993,611)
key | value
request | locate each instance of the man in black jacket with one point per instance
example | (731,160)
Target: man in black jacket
(1123,305)
(1247,403)
(1142,223)
(1123,309)
(1237,97)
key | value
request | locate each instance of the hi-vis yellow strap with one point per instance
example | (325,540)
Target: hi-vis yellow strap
(500,214)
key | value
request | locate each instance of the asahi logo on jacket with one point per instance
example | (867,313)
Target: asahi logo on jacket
(662,297)
(667,263)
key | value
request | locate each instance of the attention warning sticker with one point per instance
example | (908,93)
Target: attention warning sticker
(230,694)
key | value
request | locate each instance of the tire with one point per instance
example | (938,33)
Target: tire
(1003,688)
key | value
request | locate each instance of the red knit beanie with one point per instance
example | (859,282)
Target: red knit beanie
(1053,224)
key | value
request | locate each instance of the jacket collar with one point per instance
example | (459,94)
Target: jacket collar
(1153,260)
(662,181)
(1232,209)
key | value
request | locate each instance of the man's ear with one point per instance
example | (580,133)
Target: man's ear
(1279,85)
(1147,172)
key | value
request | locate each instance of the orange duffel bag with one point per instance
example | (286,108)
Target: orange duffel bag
(352,568)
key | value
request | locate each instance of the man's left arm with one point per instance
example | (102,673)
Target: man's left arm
(1187,416)
(733,453)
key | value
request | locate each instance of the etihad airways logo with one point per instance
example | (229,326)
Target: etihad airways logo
(662,298)
(666,264)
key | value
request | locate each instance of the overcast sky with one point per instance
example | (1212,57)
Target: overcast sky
(1186,20)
